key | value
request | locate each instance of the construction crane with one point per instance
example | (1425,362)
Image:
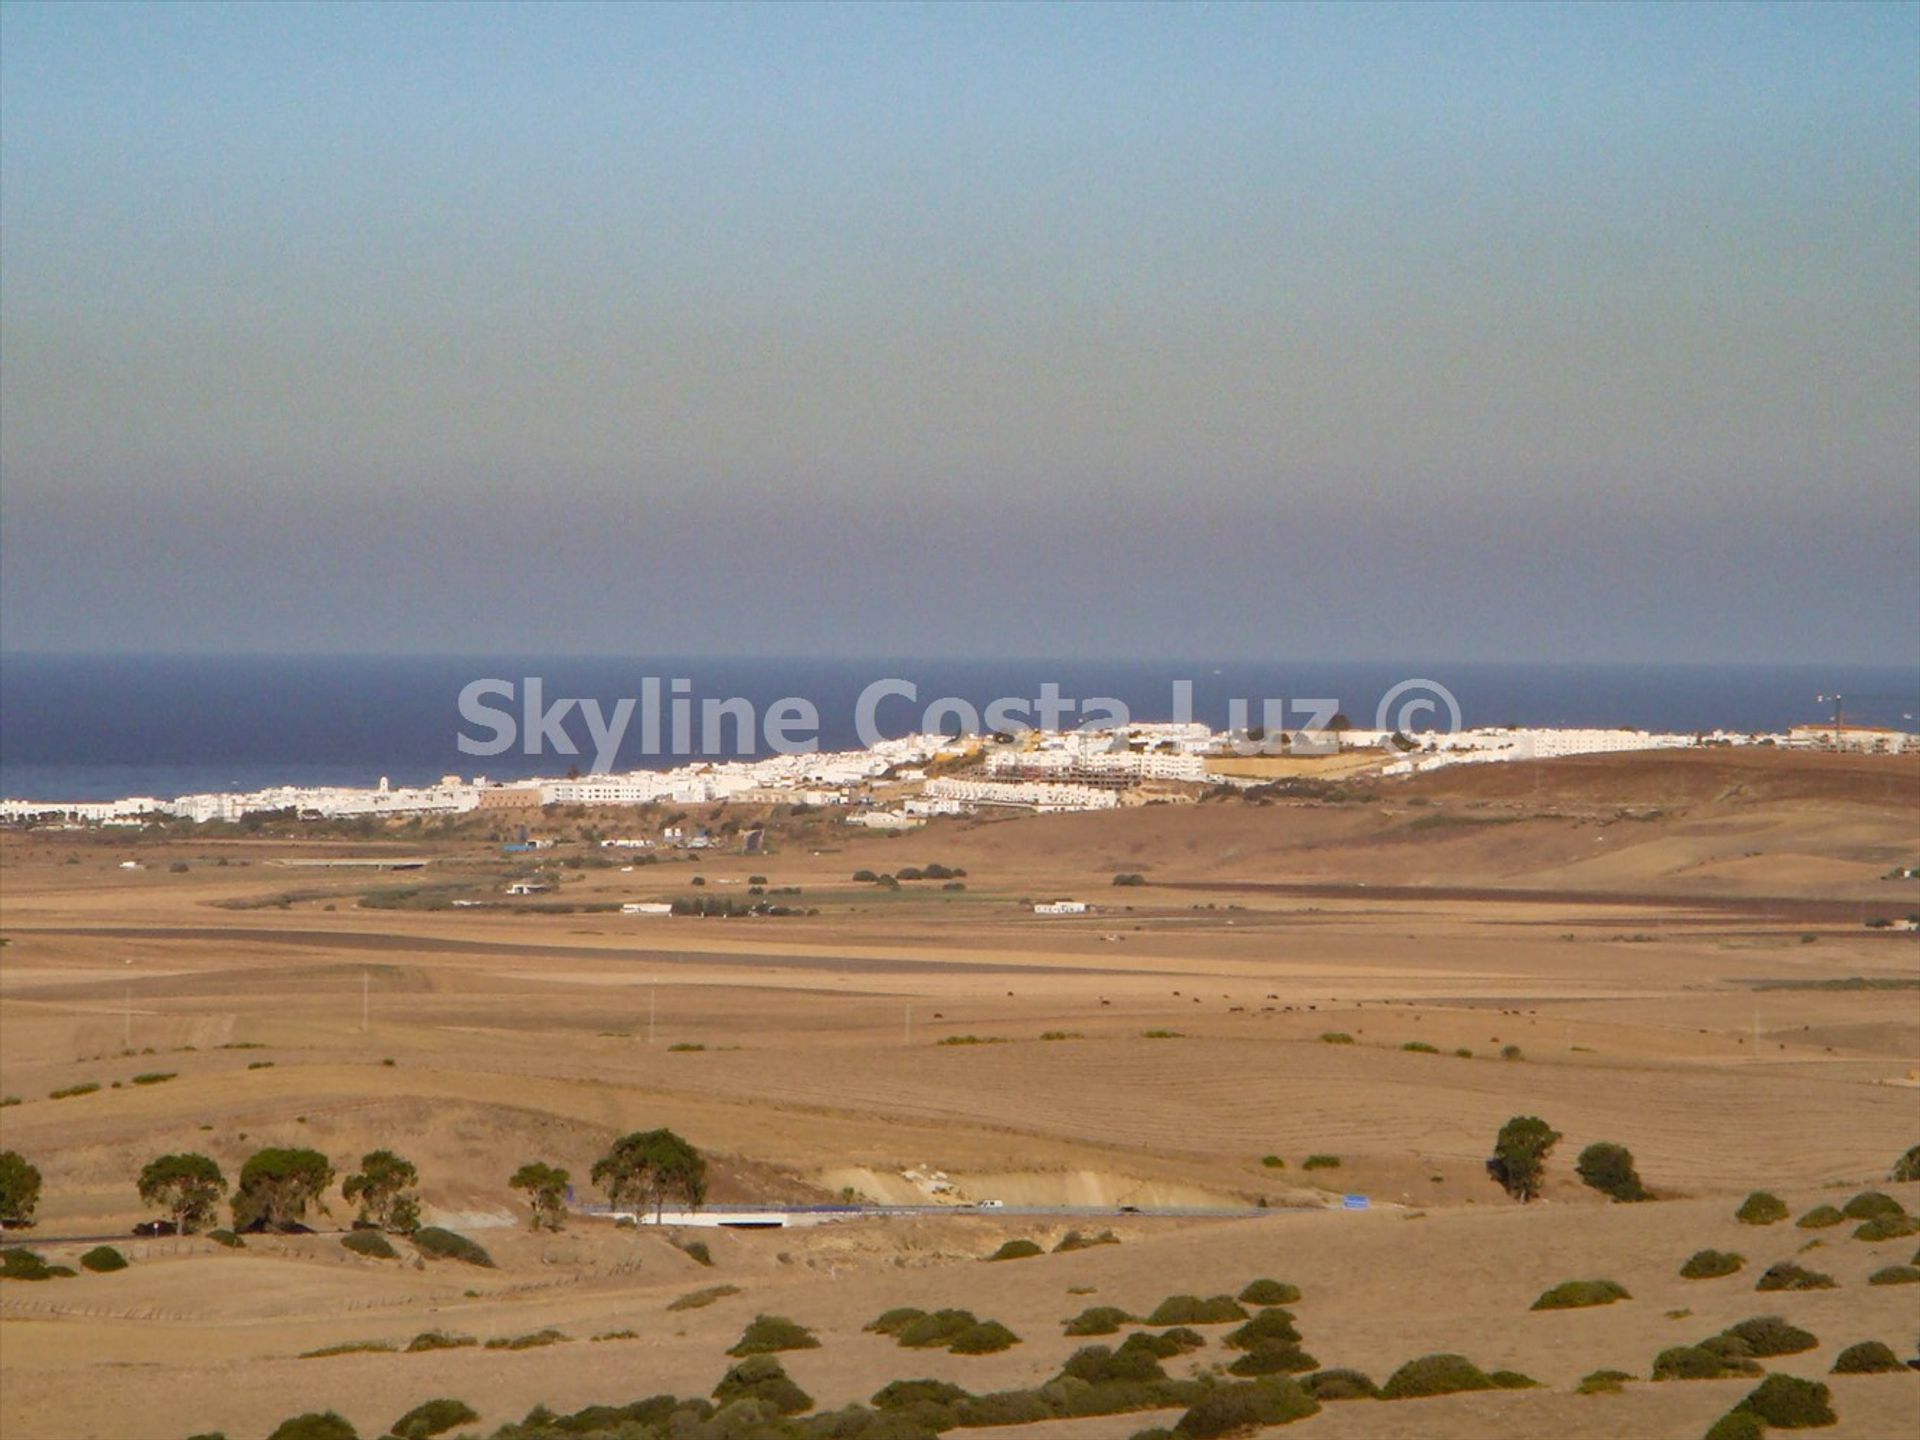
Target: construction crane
(1838,702)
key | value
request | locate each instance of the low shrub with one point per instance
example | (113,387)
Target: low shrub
(1335,1037)
(1192,1310)
(1270,1327)
(936,1330)
(431,1417)
(1273,1359)
(226,1238)
(1421,1047)
(1871,1205)
(439,1340)
(904,1393)
(348,1347)
(1736,1425)
(1580,1294)
(697,1251)
(67,1093)
(1907,1167)
(1340,1385)
(1768,1335)
(370,1243)
(314,1425)
(19,1264)
(1602,1382)
(1321,1162)
(1005,1407)
(762,1378)
(1167,1344)
(1760,1208)
(156,1077)
(1017,1250)
(700,1299)
(1100,1364)
(989,1337)
(1895,1275)
(1696,1362)
(539,1339)
(1608,1168)
(614,1335)
(103,1259)
(1711,1264)
(1270,1292)
(1273,1162)
(1785,1275)
(1096,1320)
(892,1322)
(1869,1357)
(1074,1240)
(445,1245)
(1512,1380)
(1790,1403)
(1443,1374)
(769,1333)
(1821,1217)
(1235,1409)
(1887,1227)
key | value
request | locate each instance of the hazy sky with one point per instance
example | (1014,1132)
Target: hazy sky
(1517,332)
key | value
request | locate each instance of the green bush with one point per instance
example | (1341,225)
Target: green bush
(1869,1357)
(19,1264)
(1335,1037)
(431,1417)
(348,1347)
(1443,1374)
(1234,1409)
(1871,1205)
(537,1340)
(1273,1162)
(1421,1047)
(314,1425)
(904,1393)
(1768,1335)
(1602,1382)
(762,1378)
(1270,1327)
(700,1299)
(102,1259)
(1760,1208)
(1736,1425)
(769,1333)
(892,1322)
(1005,1407)
(1790,1403)
(445,1245)
(1608,1168)
(1167,1344)
(156,1077)
(67,1093)
(226,1238)
(1099,1364)
(1696,1362)
(1785,1275)
(697,1251)
(937,1330)
(1512,1380)
(1017,1250)
(1907,1167)
(439,1340)
(1711,1264)
(1821,1217)
(1273,1359)
(1270,1292)
(1887,1227)
(1321,1162)
(1074,1240)
(1192,1310)
(1341,1385)
(1096,1320)
(370,1243)
(1580,1294)
(989,1337)
(1895,1275)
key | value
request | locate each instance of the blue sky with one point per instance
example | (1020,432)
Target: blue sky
(1477,333)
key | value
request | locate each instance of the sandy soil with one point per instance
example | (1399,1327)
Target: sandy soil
(1648,931)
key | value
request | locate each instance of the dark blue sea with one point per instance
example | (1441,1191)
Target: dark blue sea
(81,727)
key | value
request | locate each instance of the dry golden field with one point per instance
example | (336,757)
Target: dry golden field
(1661,937)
